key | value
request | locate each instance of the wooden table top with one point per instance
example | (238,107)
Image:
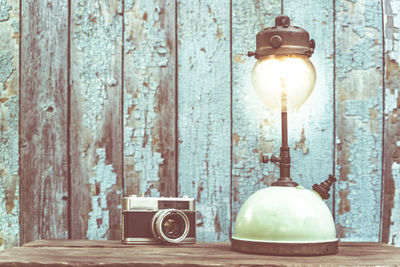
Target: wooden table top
(113,253)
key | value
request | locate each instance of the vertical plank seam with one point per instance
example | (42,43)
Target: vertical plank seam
(122,99)
(231,115)
(334,114)
(69,181)
(383,125)
(176,103)
(19,118)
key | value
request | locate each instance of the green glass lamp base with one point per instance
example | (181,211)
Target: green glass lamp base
(286,249)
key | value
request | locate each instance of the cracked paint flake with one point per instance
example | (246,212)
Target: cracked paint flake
(94,36)
(395,218)
(4,10)
(391,217)
(6,67)
(391,96)
(249,113)
(9,167)
(302,143)
(96,46)
(9,138)
(103,180)
(392,26)
(204,116)
(146,52)
(9,123)
(359,118)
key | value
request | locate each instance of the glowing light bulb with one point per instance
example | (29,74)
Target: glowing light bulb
(279,77)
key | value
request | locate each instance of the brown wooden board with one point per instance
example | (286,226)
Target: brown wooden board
(311,128)
(255,128)
(204,113)
(391,183)
(96,120)
(9,124)
(149,98)
(110,253)
(43,120)
(359,102)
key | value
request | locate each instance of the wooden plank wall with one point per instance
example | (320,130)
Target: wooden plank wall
(44,120)
(95,118)
(391,165)
(359,83)
(9,123)
(100,99)
(204,113)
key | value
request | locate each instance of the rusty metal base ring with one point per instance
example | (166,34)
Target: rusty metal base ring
(286,249)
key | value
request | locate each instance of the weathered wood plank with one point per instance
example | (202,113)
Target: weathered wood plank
(391,190)
(43,120)
(255,130)
(9,123)
(358,118)
(204,113)
(311,128)
(109,253)
(149,98)
(96,119)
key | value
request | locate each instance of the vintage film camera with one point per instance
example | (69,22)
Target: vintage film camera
(149,220)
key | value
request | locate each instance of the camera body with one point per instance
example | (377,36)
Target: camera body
(149,220)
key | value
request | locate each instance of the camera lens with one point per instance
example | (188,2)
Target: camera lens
(170,226)
(173,225)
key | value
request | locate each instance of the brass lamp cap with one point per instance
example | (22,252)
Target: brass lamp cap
(283,39)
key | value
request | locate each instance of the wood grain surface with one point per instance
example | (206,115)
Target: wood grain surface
(255,128)
(43,120)
(9,124)
(100,99)
(359,79)
(204,113)
(112,253)
(391,183)
(311,129)
(149,98)
(96,120)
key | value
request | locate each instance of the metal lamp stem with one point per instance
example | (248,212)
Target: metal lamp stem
(284,157)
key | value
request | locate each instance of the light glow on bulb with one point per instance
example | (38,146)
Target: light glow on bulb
(276,76)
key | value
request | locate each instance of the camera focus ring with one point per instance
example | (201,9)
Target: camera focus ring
(170,225)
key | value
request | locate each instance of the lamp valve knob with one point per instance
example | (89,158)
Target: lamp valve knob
(266,159)
(323,188)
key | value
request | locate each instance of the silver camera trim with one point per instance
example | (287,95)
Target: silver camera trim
(151,203)
(152,241)
(134,203)
(156,226)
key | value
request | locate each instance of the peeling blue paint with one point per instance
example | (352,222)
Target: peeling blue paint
(103,174)
(359,118)
(129,4)
(15,25)
(9,167)
(6,67)
(146,51)
(4,10)
(360,108)
(204,116)
(9,123)
(9,136)
(395,219)
(95,39)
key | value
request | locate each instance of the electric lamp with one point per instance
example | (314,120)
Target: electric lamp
(285,219)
